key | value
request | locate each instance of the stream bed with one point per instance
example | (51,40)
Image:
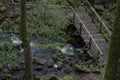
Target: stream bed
(59,61)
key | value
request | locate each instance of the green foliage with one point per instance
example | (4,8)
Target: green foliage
(48,22)
(7,55)
(44,20)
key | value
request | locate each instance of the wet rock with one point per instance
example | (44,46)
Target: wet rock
(38,68)
(7,76)
(60,64)
(68,69)
(51,63)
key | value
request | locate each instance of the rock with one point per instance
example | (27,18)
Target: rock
(38,68)
(7,76)
(51,63)
(60,64)
(1,67)
(68,69)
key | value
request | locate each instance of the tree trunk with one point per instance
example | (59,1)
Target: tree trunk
(25,40)
(113,66)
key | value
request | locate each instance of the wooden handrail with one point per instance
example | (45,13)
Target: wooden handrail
(101,53)
(98,17)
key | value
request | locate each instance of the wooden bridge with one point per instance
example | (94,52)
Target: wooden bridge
(92,29)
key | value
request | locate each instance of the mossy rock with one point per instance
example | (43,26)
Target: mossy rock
(2,9)
(22,61)
(99,8)
(60,64)
(42,61)
(7,76)
(50,77)
(15,67)
(80,68)
(55,57)
(67,59)
(38,68)
(51,63)
(68,69)
(37,77)
(69,78)
(1,67)
(36,61)
(87,68)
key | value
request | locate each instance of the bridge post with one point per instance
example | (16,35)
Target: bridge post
(90,41)
(73,18)
(100,30)
(80,28)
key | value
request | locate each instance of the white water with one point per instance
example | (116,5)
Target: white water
(70,50)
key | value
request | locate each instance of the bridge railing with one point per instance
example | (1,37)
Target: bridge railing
(81,28)
(97,20)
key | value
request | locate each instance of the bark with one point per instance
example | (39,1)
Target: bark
(113,65)
(25,40)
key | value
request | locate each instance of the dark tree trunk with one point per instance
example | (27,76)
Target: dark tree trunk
(113,66)
(25,40)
